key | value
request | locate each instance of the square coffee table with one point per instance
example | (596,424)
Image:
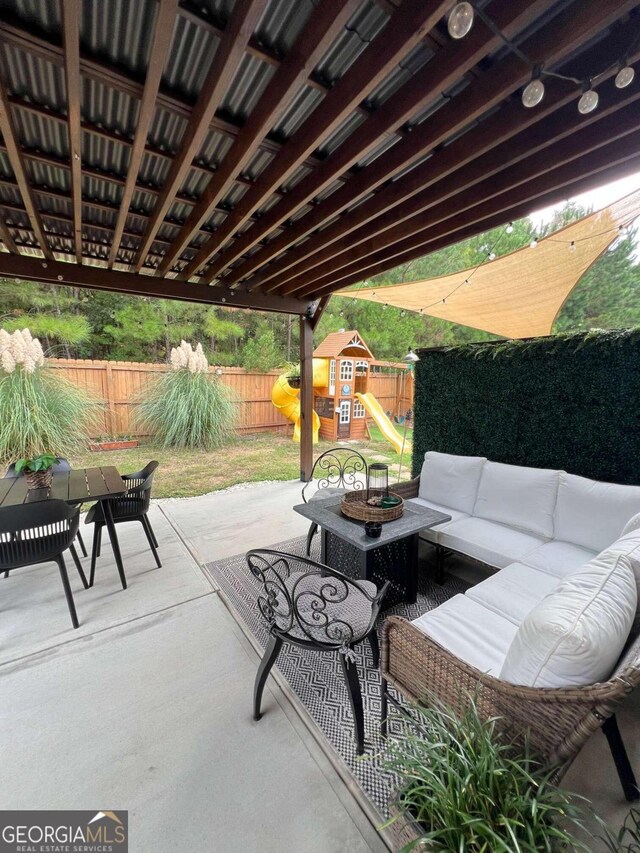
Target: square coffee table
(393,556)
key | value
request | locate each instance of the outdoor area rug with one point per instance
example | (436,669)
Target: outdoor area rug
(317,678)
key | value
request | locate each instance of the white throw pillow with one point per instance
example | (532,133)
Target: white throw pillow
(451,481)
(591,513)
(577,632)
(632,524)
(629,545)
(518,497)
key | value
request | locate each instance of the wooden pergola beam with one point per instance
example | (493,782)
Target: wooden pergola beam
(243,20)
(10,136)
(548,46)
(424,88)
(611,160)
(71,45)
(398,206)
(120,80)
(405,30)
(7,239)
(321,29)
(101,278)
(161,42)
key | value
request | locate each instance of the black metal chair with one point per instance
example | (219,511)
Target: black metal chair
(315,607)
(34,533)
(61,465)
(133,506)
(337,471)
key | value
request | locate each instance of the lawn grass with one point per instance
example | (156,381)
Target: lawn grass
(247,459)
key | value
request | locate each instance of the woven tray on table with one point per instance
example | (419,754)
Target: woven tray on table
(354,505)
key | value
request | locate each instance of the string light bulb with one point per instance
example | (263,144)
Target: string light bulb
(492,256)
(588,101)
(533,243)
(460,20)
(533,93)
(403,313)
(624,77)
(623,231)
(509,228)
(467,283)
(572,246)
(384,307)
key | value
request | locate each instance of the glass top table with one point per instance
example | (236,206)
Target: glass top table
(393,556)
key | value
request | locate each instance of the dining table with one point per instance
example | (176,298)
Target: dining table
(75,486)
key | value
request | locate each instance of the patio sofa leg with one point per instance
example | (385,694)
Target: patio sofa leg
(313,529)
(6,574)
(439,578)
(269,658)
(621,759)
(74,554)
(67,590)
(149,535)
(384,708)
(375,647)
(81,543)
(355,698)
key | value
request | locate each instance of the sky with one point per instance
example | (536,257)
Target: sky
(596,199)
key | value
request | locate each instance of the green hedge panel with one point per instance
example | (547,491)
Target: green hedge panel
(570,402)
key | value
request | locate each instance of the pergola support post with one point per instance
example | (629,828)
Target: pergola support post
(306,399)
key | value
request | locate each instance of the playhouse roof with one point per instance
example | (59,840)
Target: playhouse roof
(343,343)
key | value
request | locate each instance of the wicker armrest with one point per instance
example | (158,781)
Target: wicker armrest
(408,489)
(558,720)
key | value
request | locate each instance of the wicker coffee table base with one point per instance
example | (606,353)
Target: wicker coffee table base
(396,562)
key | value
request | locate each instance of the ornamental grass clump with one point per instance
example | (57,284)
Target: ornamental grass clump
(188,406)
(40,410)
(469,790)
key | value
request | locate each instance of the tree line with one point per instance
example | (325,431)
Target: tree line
(80,323)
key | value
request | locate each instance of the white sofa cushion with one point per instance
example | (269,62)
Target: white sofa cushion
(513,591)
(559,558)
(491,543)
(632,524)
(451,480)
(593,514)
(470,632)
(520,497)
(576,634)
(431,533)
(629,545)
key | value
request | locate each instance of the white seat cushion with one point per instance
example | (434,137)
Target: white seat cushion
(577,632)
(491,543)
(470,631)
(593,514)
(513,591)
(519,497)
(431,533)
(451,480)
(559,558)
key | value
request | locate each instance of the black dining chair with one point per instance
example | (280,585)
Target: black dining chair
(134,506)
(61,465)
(336,472)
(33,533)
(315,607)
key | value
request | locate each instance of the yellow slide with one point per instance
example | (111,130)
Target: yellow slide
(287,400)
(387,429)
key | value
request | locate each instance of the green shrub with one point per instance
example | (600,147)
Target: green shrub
(188,407)
(470,791)
(41,411)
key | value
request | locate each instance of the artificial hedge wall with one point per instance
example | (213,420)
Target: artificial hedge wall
(570,402)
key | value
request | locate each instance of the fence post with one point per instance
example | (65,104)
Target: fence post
(111,402)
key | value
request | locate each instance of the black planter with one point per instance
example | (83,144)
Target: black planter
(294,381)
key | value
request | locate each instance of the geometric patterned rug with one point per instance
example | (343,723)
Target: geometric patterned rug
(316,677)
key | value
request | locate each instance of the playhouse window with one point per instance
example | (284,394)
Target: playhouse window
(332,376)
(362,366)
(358,409)
(345,411)
(346,371)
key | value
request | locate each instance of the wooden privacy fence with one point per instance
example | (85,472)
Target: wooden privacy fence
(118,383)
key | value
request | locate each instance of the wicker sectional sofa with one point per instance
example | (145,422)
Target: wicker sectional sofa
(550,642)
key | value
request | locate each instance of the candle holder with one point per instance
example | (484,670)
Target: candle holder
(378,480)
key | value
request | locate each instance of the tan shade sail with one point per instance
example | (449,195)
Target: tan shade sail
(518,295)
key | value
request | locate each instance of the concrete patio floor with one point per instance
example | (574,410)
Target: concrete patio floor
(146,706)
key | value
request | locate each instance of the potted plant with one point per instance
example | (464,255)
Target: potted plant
(293,374)
(38,470)
(464,787)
